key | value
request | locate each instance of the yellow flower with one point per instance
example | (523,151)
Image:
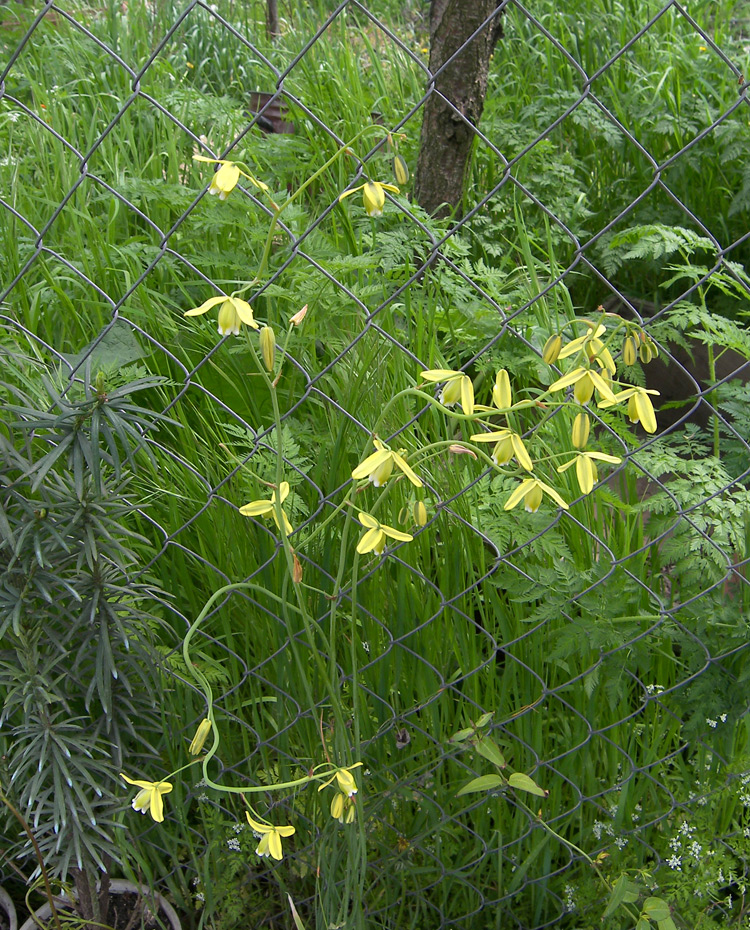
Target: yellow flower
(640,407)
(531,491)
(593,347)
(375,537)
(584,380)
(149,798)
(420,513)
(201,734)
(501,393)
(226,178)
(586,469)
(232,313)
(343,807)
(378,466)
(629,349)
(508,444)
(261,508)
(373,196)
(270,837)
(458,387)
(343,777)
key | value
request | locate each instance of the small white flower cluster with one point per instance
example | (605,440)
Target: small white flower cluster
(744,791)
(234,844)
(569,901)
(713,723)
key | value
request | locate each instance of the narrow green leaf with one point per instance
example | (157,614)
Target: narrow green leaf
(486,747)
(483,783)
(461,735)
(667,924)
(524,783)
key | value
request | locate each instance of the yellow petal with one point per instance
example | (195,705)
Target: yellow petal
(501,393)
(205,306)
(467,395)
(645,411)
(415,480)
(371,464)
(395,534)
(244,312)
(440,374)
(522,456)
(586,473)
(370,540)
(256,508)
(520,492)
(367,520)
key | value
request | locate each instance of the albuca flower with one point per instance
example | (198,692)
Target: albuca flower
(507,444)
(375,537)
(586,469)
(343,807)
(501,393)
(261,508)
(226,178)
(232,313)
(373,196)
(531,492)
(270,837)
(458,387)
(593,347)
(343,777)
(584,381)
(149,798)
(640,408)
(378,466)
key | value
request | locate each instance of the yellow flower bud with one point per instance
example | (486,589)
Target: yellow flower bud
(199,740)
(420,513)
(551,349)
(644,352)
(268,347)
(299,316)
(501,393)
(629,349)
(581,427)
(400,171)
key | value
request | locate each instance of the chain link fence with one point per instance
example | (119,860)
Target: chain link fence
(609,677)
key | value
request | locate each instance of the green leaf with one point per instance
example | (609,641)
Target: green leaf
(483,721)
(525,783)
(617,896)
(461,735)
(295,916)
(656,909)
(486,747)
(483,783)
(667,924)
(643,924)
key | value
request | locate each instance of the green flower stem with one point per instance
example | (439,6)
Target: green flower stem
(314,631)
(300,190)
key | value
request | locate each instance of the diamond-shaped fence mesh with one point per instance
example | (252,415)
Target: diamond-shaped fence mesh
(608,641)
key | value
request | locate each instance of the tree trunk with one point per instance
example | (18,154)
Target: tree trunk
(457,99)
(272,19)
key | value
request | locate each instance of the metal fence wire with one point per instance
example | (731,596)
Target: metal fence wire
(580,697)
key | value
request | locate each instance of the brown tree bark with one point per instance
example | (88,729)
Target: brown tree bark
(272,19)
(446,137)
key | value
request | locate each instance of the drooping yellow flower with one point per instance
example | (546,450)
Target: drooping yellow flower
(378,466)
(584,381)
(586,472)
(225,179)
(232,313)
(531,492)
(343,807)
(375,538)
(264,507)
(640,408)
(507,444)
(270,837)
(149,798)
(552,347)
(344,778)
(201,735)
(501,393)
(458,387)
(373,196)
